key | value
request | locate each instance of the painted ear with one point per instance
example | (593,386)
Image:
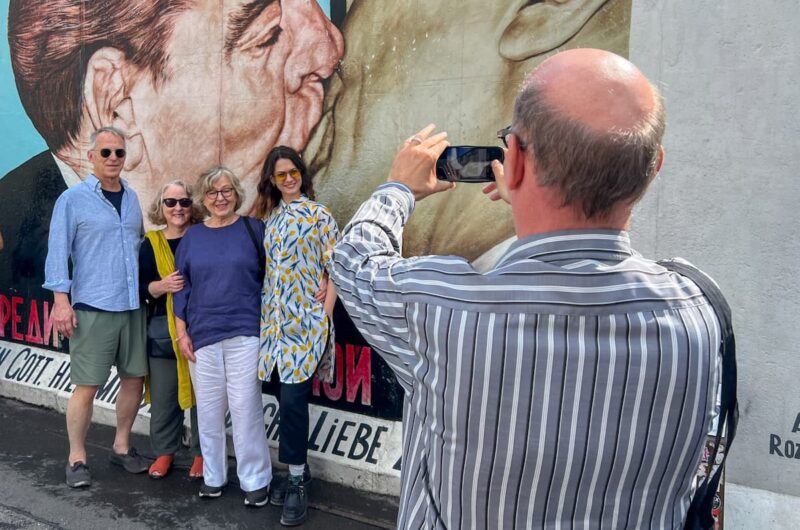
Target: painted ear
(109,77)
(104,86)
(544,26)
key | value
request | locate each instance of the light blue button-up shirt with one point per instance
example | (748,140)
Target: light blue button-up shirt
(103,245)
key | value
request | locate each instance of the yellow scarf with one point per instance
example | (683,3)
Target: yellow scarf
(165,263)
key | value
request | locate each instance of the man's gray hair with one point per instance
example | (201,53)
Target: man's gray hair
(593,170)
(211,176)
(111,130)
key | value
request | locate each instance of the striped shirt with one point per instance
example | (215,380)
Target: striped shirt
(571,386)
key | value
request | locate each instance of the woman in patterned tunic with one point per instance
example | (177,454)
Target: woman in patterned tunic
(296,330)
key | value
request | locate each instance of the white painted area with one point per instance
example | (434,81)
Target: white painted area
(727,199)
(40,377)
(749,508)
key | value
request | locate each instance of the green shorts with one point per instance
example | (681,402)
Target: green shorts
(104,339)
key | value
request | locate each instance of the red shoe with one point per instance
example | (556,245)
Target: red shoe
(197,468)
(161,466)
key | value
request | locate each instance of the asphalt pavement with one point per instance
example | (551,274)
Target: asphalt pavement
(33,495)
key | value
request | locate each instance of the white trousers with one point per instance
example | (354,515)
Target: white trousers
(225,377)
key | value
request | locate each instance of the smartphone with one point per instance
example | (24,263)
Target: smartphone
(467,163)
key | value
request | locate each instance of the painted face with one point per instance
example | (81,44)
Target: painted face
(177,216)
(109,166)
(287,179)
(220,200)
(244,75)
(455,63)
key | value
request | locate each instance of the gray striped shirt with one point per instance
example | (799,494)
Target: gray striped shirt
(569,387)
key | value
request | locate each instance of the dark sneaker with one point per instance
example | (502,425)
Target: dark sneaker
(210,492)
(133,462)
(78,475)
(279,486)
(257,498)
(295,505)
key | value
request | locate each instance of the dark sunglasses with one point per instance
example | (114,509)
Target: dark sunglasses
(170,202)
(106,152)
(502,134)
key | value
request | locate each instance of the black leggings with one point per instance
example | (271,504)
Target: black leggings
(293,429)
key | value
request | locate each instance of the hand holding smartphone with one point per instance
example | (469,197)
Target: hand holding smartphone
(467,163)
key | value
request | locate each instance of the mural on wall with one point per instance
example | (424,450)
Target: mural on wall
(204,82)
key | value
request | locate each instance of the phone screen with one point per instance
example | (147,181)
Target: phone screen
(467,163)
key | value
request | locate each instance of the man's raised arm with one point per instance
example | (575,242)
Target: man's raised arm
(368,267)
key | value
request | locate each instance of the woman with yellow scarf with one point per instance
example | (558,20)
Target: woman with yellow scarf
(170,388)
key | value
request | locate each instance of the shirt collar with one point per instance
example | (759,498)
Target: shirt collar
(94,182)
(71,178)
(295,204)
(569,244)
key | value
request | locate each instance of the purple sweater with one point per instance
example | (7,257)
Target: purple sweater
(222,293)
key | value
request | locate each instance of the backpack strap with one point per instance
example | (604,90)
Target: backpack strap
(699,515)
(262,265)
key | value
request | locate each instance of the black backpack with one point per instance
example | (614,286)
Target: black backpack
(699,515)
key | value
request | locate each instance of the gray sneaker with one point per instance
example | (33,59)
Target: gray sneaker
(133,462)
(210,492)
(78,475)
(257,498)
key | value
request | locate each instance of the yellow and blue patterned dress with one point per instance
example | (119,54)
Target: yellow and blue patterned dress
(296,334)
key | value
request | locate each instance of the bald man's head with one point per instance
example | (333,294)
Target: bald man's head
(593,125)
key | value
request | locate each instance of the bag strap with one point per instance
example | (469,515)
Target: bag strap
(262,265)
(699,514)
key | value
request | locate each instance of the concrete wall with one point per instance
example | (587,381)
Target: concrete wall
(726,199)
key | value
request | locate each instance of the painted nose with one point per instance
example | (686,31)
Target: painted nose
(317,45)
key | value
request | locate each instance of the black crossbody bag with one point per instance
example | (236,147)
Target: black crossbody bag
(699,515)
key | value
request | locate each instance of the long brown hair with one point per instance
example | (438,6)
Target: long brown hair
(269,196)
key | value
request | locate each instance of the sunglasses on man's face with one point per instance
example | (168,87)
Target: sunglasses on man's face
(106,152)
(281,177)
(170,202)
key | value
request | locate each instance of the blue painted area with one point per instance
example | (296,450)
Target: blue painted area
(18,139)
(326,6)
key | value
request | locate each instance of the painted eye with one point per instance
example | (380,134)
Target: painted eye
(272,38)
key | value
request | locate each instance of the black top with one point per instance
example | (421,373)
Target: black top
(148,272)
(115,198)
(27,195)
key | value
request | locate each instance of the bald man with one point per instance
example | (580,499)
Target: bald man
(571,385)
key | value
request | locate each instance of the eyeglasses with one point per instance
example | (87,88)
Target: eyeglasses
(169,202)
(281,177)
(502,134)
(225,192)
(106,152)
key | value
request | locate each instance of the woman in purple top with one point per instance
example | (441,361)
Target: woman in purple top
(217,318)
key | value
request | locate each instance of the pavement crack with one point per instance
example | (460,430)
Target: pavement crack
(28,515)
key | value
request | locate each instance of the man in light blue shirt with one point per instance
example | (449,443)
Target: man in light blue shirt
(98,225)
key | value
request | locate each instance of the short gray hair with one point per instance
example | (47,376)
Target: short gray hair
(593,170)
(155,214)
(111,130)
(207,180)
